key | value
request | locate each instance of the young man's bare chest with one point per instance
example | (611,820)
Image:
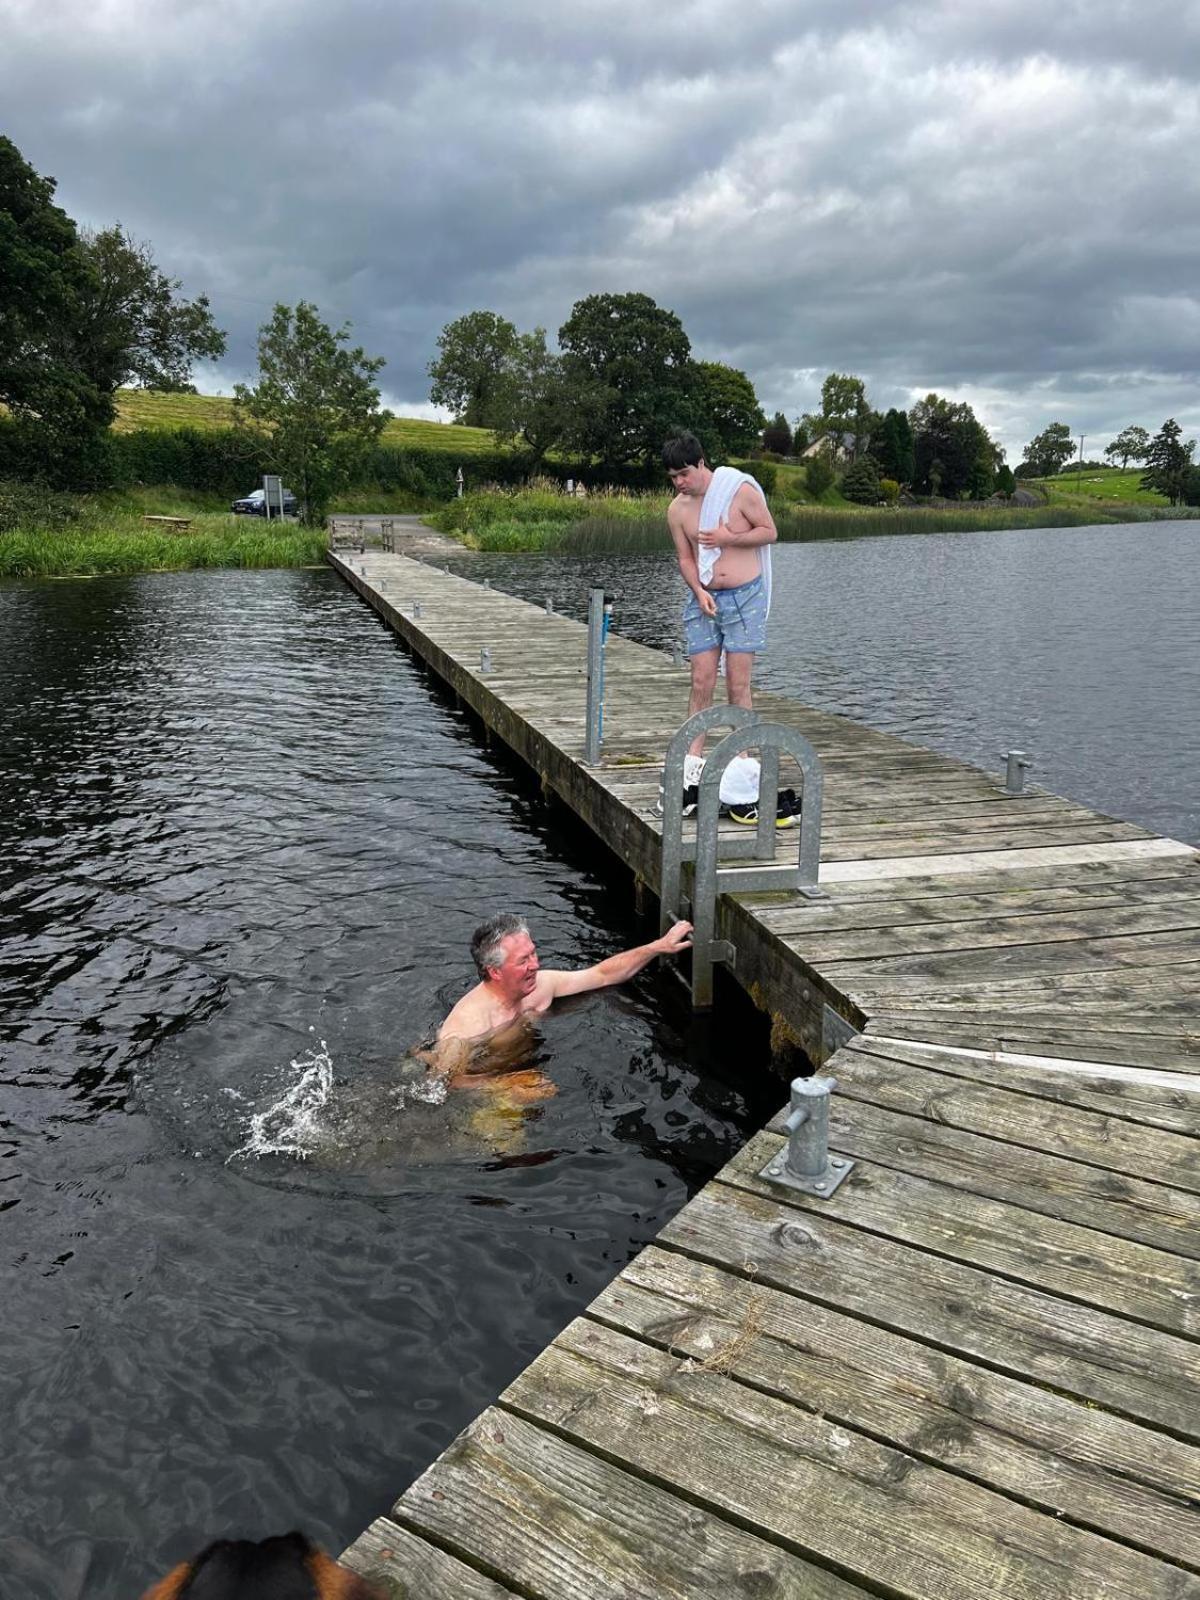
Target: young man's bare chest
(737,563)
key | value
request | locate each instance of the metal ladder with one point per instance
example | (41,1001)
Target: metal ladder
(709,846)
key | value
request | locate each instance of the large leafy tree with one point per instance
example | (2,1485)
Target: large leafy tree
(639,356)
(80,315)
(1131,444)
(1169,462)
(134,326)
(539,402)
(953,453)
(1050,450)
(56,408)
(724,408)
(476,353)
(316,401)
(845,417)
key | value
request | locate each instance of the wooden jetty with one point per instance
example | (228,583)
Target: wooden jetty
(974,1371)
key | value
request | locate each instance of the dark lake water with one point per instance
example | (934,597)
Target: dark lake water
(1079,645)
(243,845)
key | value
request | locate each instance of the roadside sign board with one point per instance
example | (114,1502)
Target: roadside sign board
(273,495)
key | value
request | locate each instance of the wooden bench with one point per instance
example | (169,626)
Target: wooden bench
(173,524)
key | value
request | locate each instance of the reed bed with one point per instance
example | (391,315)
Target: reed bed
(544,519)
(120,548)
(44,535)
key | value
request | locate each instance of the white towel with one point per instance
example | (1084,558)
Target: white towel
(718,497)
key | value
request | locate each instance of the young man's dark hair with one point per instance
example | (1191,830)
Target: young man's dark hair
(682,450)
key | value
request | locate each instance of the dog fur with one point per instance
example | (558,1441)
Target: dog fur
(286,1567)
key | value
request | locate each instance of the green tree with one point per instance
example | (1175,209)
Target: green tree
(845,417)
(892,447)
(1049,452)
(133,326)
(860,482)
(801,439)
(539,403)
(1006,483)
(1169,462)
(953,453)
(723,409)
(476,352)
(639,355)
(56,411)
(819,475)
(1131,444)
(316,401)
(81,315)
(777,435)
(1191,487)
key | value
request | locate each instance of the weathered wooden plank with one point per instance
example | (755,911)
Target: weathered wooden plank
(793,1476)
(1022,1243)
(838,947)
(1141,1095)
(1136,1371)
(1076,955)
(1119,866)
(563,1524)
(405,1567)
(1115,1203)
(1110,1143)
(1069,1459)
(819,916)
(1152,1047)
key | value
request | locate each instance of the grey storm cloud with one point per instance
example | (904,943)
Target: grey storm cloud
(997,202)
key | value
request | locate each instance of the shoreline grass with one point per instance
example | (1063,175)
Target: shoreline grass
(545,520)
(104,535)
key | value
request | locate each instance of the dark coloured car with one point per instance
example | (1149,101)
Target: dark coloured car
(254,504)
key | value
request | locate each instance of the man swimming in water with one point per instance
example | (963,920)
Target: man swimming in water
(512,986)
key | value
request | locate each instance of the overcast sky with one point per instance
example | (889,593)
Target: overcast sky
(997,201)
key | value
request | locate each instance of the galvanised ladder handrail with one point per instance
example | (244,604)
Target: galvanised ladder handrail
(675,851)
(770,739)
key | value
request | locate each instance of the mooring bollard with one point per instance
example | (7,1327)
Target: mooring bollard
(485,660)
(676,655)
(549,607)
(804,1163)
(487,583)
(1014,773)
(416,608)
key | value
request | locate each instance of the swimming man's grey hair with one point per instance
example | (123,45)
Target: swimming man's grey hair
(489,936)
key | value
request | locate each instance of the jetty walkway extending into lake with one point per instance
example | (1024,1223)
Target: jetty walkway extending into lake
(973,1371)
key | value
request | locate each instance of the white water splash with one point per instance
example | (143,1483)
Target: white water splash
(306,1116)
(291,1126)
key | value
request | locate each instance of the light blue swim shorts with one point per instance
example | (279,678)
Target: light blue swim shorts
(739,627)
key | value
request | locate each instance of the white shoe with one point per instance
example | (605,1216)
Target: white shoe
(693,770)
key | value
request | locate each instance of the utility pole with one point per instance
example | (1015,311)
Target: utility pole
(1081,439)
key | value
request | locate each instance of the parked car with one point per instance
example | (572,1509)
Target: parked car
(254,504)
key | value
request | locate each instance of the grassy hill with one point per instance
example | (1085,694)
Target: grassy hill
(1110,486)
(136,408)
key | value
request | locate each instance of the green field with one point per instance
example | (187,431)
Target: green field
(139,408)
(1110,487)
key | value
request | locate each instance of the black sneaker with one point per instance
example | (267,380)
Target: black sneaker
(787,812)
(691,799)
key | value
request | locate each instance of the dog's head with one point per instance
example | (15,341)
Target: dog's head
(287,1567)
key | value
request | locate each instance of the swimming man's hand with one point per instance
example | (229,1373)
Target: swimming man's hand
(675,939)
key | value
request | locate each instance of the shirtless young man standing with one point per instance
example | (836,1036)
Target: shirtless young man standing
(728,611)
(513,987)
